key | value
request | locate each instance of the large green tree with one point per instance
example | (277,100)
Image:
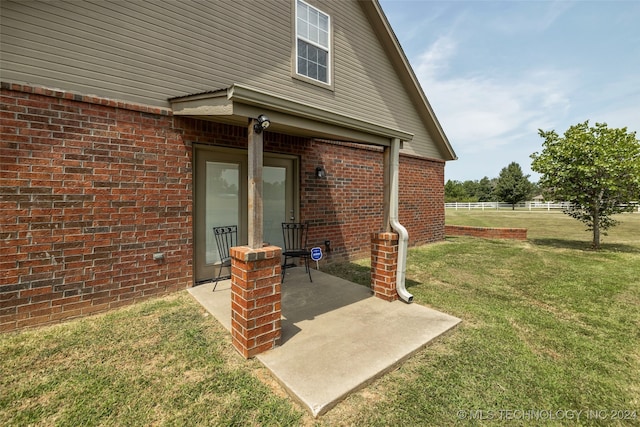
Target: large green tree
(595,169)
(484,191)
(512,185)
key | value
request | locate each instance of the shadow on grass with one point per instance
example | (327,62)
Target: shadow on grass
(408,283)
(359,274)
(356,273)
(582,245)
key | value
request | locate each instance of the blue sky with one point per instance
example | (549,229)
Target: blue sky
(497,71)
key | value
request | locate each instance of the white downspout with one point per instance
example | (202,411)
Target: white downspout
(403,235)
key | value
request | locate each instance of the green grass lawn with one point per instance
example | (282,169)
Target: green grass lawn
(553,228)
(162,362)
(551,329)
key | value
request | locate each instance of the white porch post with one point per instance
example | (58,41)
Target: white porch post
(255,153)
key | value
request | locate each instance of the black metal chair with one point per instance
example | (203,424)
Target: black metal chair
(295,245)
(226,237)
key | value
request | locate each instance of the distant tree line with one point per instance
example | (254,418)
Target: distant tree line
(511,186)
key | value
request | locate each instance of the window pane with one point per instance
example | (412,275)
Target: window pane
(313,71)
(275,213)
(313,34)
(324,22)
(303,11)
(303,29)
(302,66)
(313,17)
(302,49)
(322,57)
(324,39)
(222,202)
(313,54)
(322,73)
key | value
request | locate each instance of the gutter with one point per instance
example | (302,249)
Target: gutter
(403,235)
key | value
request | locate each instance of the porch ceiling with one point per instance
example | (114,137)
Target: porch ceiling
(236,104)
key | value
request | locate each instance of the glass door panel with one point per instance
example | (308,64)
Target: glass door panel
(220,198)
(274,203)
(222,204)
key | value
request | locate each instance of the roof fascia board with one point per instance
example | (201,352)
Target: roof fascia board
(205,104)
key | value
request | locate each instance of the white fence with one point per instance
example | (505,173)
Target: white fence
(547,206)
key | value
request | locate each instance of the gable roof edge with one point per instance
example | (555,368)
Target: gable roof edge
(390,42)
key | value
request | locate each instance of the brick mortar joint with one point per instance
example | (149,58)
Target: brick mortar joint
(89,99)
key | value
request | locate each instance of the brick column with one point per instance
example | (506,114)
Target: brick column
(255,299)
(384,265)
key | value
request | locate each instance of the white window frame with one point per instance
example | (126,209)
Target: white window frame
(314,35)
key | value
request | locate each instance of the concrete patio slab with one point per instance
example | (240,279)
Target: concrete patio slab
(336,336)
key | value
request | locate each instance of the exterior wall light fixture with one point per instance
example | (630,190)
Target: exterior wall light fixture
(320,172)
(262,122)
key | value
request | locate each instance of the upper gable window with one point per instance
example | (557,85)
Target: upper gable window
(312,43)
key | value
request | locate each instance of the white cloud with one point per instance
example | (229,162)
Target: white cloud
(484,112)
(435,60)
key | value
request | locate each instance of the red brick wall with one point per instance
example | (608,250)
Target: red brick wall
(421,207)
(256,299)
(347,205)
(486,232)
(91,188)
(384,265)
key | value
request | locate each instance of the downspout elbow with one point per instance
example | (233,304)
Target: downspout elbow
(403,244)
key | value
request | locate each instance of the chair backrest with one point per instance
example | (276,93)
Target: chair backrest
(295,235)
(226,238)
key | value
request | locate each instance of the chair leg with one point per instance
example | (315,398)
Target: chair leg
(217,278)
(306,266)
(284,267)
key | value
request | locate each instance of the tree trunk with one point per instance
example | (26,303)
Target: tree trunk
(596,227)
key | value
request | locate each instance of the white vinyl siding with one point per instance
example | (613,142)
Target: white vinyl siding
(312,43)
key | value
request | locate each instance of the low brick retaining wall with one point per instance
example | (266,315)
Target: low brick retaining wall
(486,232)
